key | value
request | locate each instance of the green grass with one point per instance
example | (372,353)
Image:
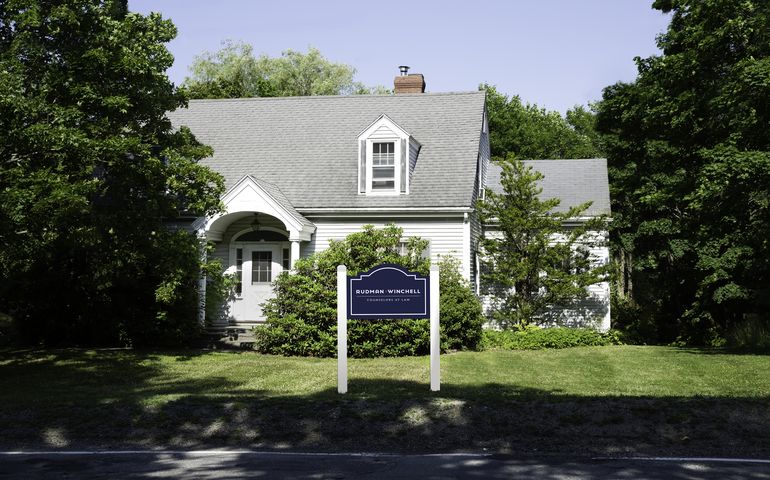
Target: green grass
(637,398)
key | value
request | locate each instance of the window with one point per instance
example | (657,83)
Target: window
(403,249)
(383,166)
(239,271)
(386,157)
(261,267)
(286,262)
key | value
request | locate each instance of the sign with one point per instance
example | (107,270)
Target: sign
(388,291)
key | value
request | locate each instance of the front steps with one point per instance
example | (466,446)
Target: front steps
(238,335)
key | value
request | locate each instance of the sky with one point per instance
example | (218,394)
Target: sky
(554,53)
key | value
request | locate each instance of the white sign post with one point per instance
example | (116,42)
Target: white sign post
(342,330)
(435,336)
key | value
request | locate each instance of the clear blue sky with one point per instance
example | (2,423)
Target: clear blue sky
(556,53)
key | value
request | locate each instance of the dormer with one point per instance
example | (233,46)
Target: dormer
(387,155)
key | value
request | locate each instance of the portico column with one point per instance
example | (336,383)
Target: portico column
(202,279)
(294,252)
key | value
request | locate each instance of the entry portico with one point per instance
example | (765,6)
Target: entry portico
(259,234)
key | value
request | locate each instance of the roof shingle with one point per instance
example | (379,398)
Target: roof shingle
(573,181)
(306,146)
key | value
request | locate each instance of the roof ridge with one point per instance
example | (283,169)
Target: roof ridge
(314,97)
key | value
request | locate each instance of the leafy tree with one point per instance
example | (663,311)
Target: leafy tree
(91,174)
(532,260)
(302,317)
(529,132)
(689,155)
(235,72)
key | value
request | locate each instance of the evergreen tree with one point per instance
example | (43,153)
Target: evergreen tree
(534,257)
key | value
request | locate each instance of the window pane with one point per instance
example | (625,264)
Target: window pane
(383,172)
(239,270)
(382,154)
(261,267)
(286,259)
(383,184)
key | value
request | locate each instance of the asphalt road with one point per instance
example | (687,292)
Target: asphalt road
(270,465)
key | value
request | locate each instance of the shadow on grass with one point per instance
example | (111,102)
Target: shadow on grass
(76,399)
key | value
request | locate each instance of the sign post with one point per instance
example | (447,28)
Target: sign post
(342,329)
(435,336)
(387,291)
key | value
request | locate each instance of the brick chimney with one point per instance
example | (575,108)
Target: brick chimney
(408,82)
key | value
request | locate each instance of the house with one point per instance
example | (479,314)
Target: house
(573,182)
(301,171)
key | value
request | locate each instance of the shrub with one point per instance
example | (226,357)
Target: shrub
(302,316)
(752,334)
(536,338)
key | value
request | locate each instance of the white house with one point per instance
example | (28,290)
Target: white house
(300,171)
(574,182)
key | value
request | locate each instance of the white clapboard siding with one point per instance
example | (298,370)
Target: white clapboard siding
(590,312)
(383,132)
(445,234)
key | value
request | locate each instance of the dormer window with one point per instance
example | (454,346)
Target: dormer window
(387,155)
(383,166)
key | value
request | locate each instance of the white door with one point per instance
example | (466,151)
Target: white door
(258,264)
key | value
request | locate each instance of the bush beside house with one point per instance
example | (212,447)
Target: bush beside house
(302,317)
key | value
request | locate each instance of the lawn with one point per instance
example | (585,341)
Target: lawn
(592,400)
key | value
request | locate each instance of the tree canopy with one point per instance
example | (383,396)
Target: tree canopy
(234,72)
(688,146)
(92,176)
(531,259)
(530,132)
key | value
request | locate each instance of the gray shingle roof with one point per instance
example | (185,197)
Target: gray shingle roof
(281,199)
(306,146)
(573,181)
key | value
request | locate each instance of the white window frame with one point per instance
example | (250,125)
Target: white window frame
(402,143)
(396,166)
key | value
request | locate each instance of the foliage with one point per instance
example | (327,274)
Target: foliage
(220,288)
(93,178)
(530,132)
(752,334)
(235,72)
(532,259)
(536,338)
(689,160)
(302,317)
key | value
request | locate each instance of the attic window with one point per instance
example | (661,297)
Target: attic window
(383,166)
(386,156)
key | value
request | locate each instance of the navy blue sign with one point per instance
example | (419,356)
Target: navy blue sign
(388,291)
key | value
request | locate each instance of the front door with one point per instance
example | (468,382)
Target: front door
(257,265)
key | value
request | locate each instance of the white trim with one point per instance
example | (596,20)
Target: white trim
(250,229)
(248,196)
(397,173)
(400,139)
(310,211)
(466,265)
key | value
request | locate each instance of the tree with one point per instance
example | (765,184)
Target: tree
(533,260)
(529,132)
(92,175)
(689,155)
(302,317)
(234,72)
